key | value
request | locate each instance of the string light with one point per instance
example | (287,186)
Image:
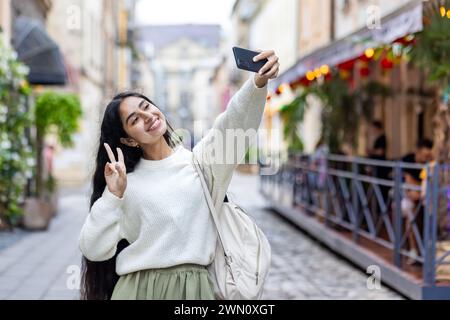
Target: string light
(324,69)
(310,75)
(409,37)
(442,9)
(317,73)
(369,53)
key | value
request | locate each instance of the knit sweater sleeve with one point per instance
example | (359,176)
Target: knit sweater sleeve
(101,230)
(218,149)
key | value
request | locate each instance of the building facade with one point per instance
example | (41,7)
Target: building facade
(88,32)
(182,60)
(318,27)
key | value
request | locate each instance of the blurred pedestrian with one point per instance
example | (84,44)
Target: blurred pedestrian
(319,161)
(378,152)
(412,198)
(379,146)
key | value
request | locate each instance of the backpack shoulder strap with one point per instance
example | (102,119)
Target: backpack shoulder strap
(209,200)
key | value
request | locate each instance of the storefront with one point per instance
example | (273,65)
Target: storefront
(336,197)
(368,57)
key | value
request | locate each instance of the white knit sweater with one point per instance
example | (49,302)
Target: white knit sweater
(163,213)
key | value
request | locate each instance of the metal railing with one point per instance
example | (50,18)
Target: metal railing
(370,199)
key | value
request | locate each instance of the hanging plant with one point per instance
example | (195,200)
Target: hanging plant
(339,114)
(292,114)
(432,47)
(431,52)
(16,154)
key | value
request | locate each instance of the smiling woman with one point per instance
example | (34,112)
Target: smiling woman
(144,124)
(148,210)
(99,276)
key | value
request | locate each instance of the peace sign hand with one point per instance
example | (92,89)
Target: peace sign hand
(115,172)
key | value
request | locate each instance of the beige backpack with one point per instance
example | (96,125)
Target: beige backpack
(243,254)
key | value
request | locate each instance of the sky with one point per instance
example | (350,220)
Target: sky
(184,11)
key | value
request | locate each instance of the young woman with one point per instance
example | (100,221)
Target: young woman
(149,233)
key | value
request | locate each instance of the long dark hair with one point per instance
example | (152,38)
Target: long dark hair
(99,278)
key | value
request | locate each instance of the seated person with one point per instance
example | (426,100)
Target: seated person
(422,155)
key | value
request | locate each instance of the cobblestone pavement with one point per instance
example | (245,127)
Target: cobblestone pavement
(42,265)
(301,268)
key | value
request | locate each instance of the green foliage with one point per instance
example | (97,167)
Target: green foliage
(376,88)
(339,116)
(51,184)
(251,155)
(56,113)
(292,114)
(432,48)
(365,95)
(60,112)
(343,108)
(16,154)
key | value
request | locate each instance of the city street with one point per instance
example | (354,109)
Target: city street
(43,265)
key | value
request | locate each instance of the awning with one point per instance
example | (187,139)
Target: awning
(39,52)
(404,21)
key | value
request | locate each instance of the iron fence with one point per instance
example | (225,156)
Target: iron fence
(370,199)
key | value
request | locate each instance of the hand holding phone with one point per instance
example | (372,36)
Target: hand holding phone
(244,59)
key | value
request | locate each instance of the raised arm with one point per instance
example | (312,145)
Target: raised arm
(235,129)
(101,231)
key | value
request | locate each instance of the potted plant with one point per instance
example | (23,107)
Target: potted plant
(58,114)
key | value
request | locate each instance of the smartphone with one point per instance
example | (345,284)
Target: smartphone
(244,59)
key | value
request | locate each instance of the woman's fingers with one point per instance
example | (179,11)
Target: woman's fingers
(275,75)
(110,153)
(107,170)
(113,167)
(121,170)
(110,169)
(120,154)
(256,58)
(273,71)
(263,55)
(269,65)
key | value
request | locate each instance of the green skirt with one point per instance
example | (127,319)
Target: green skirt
(181,282)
